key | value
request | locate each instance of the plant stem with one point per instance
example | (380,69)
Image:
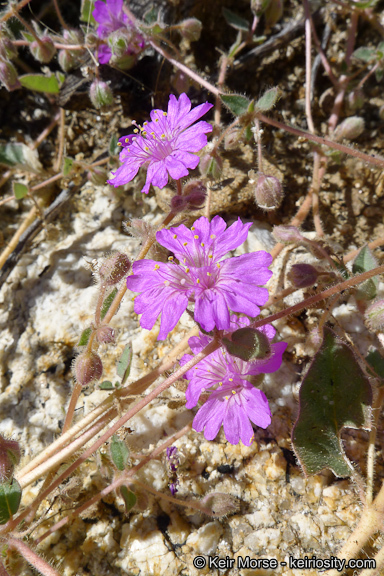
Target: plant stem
(376,409)
(31,557)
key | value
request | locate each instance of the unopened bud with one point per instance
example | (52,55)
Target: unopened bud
(350,128)
(7,49)
(9,457)
(43,49)
(273,13)
(91,39)
(105,334)
(302,275)
(268,190)
(100,94)
(232,138)
(258,6)
(97,176)
(88,367)
(220,504)
(114,269)
(374,315)
(190,29)
(287,234)
(8,75)
(355,99)
(119,42)
(66,59)
(248,344)
(211,166)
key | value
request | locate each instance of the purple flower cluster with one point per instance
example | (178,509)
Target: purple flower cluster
(234,402)
(165,145)
(201,276)
(127,43)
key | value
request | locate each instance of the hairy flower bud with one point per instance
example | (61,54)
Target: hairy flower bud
(374,315)
(190,29)
(7,49)
(88,367)
(8,75)
(287,234)
(302,275)
(9,457)
(119,42)
(193,197)
(273,13)
(43,49)
(232,138)
(105,334)
(114,268)
(211,166)
(66,59)
(268,190)
(100,94)
(350,128)
(248,344)
(355,99)
(220,504)
(98,176)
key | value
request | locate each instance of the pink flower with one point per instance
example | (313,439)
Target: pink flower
(165,145)
(201,276)
(110,16)
(234,402)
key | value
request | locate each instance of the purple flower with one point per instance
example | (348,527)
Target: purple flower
(201,276)
(110,16)
(165,144)
(173,462)
(235,401)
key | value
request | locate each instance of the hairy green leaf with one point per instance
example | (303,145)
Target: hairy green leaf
(10,496)
(236,103)
(119,453)
(235,20)
(124,364)
(364,262)
(268,100)
(334,394)
(107,303)
(19,190)
(18,154)
(83,341)
(40,83)
(129,498)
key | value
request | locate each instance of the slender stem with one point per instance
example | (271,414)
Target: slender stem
(61,141)
(11,12)
(376,410)
(124,478)
(297,220)
(75,47)
(259,150)
(31,557)
(27,27)
(16,237)
(308,68)
(59,15)
(375,160)
(372,245)
(323,57)
(71,407)
(316,183)
(46,131)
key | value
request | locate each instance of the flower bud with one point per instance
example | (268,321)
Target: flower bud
(119,42)
(302,275)
(190,29)
(91,39)
(287,234)
(355,99)
(7,49)
(88,367)
(9,457)
(273,13)
(220,504)
(268,190)
(67,60)
(248,344)
(97,176)
(258,6)
(100,94)
(374,315)
(350,128)
(8,75)
(232,138)
(114,269)
(105,334)
(211,166)
(43,49)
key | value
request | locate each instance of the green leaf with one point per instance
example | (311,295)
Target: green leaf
(114,149)
(10,496)
(106,385)
(85,337)
(364,262)
(237,104)
(364,53)
(40,83)
(379,73)
(107,303)
(234,20)
(119,453)
(19,190)
(18,154)
(129,498)
(60,76)
(335,393)
(67,166)
(124,364)
(151,16)
(375,359)
(268,100)
(87,7)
